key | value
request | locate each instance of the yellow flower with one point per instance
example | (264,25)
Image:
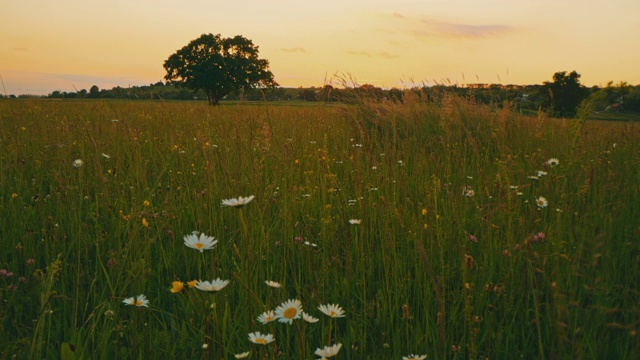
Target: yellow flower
(424,212)
(146,203)
(192,283)
(145,223)
(176,286)
(14,195)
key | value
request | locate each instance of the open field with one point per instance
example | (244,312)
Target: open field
(471,243)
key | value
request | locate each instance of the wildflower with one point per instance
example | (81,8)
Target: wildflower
(214,285)
(267,317)
(553,162)
(355,221)
(473,239)
(145,223)
(468,191)
(272,284)
(205,346)
(542,202)
(192,283)
(106,156)
(77,163)
(288,311)
(14,195)
(202,243)
(310,244)
(414,357)
(262,339)
(534,177)
(298,239)
(542,173)
(329,351)
(539,237)
(139,300)
(176,286)
(239,202)
(308,318)
(332,310)
(242,355)
(423,212)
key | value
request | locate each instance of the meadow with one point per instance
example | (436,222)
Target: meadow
(441,230)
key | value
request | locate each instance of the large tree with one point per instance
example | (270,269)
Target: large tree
(218,66)
(564,94)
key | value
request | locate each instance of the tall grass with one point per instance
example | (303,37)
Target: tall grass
(453,258)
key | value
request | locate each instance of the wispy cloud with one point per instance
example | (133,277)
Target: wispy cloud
(466,30)
(428,27)
(379,54)
(294,50)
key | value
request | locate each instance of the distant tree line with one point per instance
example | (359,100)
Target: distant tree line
(559,98)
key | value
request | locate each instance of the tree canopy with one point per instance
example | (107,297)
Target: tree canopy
(218,66)
(564,94)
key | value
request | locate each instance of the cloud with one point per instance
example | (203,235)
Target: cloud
(294,50)
(467,31)
(379,54)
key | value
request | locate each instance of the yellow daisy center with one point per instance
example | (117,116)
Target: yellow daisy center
(290,313)
(261,341)
(199,245)
(540,202)
(138,302)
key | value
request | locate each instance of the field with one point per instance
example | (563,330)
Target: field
(450,230)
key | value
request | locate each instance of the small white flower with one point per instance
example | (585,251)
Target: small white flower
(308,318)
(261,339)
(329,351)
(140,300)
(414,357)
(542,202)
(77,163)
(205,346)
(201,243)
(272,284)
(242,355)
(332,310)
(542,173)
(239,202)
(553,162)
(106,156)
(214,285)
(533,177)
(267,317)
(288,311)
(355,221)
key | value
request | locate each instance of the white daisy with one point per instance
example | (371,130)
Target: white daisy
(201,243)
(214,285)
(272,284)
(554,161)
(308,318)
(542,173)
(267,317)
(288,311)
(332,310)
(414,357)
(542,202)
(140,300)
(261,339)
(77,163)
(355,221)
(106,156)
(329,351)
(242,355)
(239,202)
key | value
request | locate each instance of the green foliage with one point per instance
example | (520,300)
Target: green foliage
(564,94)
(218,66)
(453,258)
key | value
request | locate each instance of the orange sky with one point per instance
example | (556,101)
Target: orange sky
(66,45)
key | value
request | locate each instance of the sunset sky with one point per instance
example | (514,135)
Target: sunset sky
(66,44)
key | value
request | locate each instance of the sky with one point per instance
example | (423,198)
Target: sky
(68,45)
